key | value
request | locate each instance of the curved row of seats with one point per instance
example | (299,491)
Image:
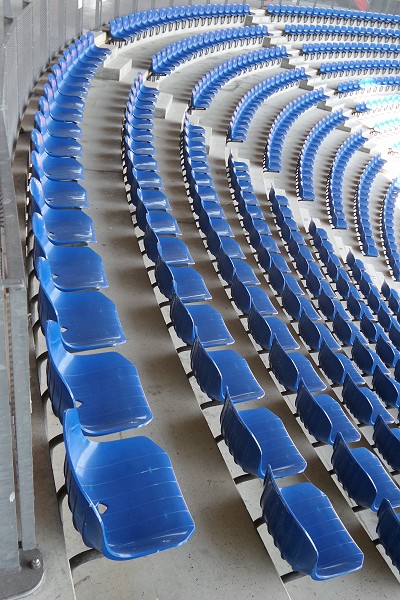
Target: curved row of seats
(334,186)
(362,203)
(388,229)
(282,123)
(388,101)
(344,48)
(331,69)
(206,88)
(349,31)
(136,25)
(170,57)
(98,393)
(337,366)
(254,98)
(285,12)
(305,167)
(368,83)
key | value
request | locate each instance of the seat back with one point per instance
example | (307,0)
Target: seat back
(241,442)
(282,366)
(206,372)
(387,388)
(59,362)
(182,321)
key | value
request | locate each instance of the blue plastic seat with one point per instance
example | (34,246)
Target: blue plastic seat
(61,147)
(257,438)
(88,320)
(387,353)
(323,417)
(296,305)
(314,333)
(185,282)
(245,296)
(387,388)
(55,167)
(72,268)
(366,359)
(104,388)
(330,307)
(362,476)
(264,329)
(218,371)
(346,331)
(229,268)
(290,368)
(63,226)
(337,365)
(388,529)
(307,531)
(363,403)
(145,515)
(388,442)
(202,320)
(58,194)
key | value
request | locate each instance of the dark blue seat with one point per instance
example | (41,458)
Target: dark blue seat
(296,305)
(362,476)
(336,366)
(264,328)
(245,296)
(231,267)
(387,388)
(91,384)
(186,282)
(257,438)
(388,442)
(366,359)
(202,320)
(323,417)
(220,371)
(102,508)
(72,268)
(307,530)
(388,530)
(331,306)
(346,331)
(363,403)
(389,355)
(88,320)
(290,368)
(314,333)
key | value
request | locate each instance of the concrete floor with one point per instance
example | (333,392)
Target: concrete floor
(226,557)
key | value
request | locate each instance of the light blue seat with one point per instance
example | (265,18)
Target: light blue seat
(102,509)
(337,365)
(221,370)
(307,531)
(314,333)
(257,438)
(88,320)
(362,476)
(388,442)
(323,417)
(265,328)
(363,403)
(104,388)
(202,320)
(290,368)
(72,268)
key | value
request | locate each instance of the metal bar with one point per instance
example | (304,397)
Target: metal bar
(97,17)
(23,430)
(9,555)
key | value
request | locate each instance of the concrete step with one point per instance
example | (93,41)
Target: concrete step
(115,68)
